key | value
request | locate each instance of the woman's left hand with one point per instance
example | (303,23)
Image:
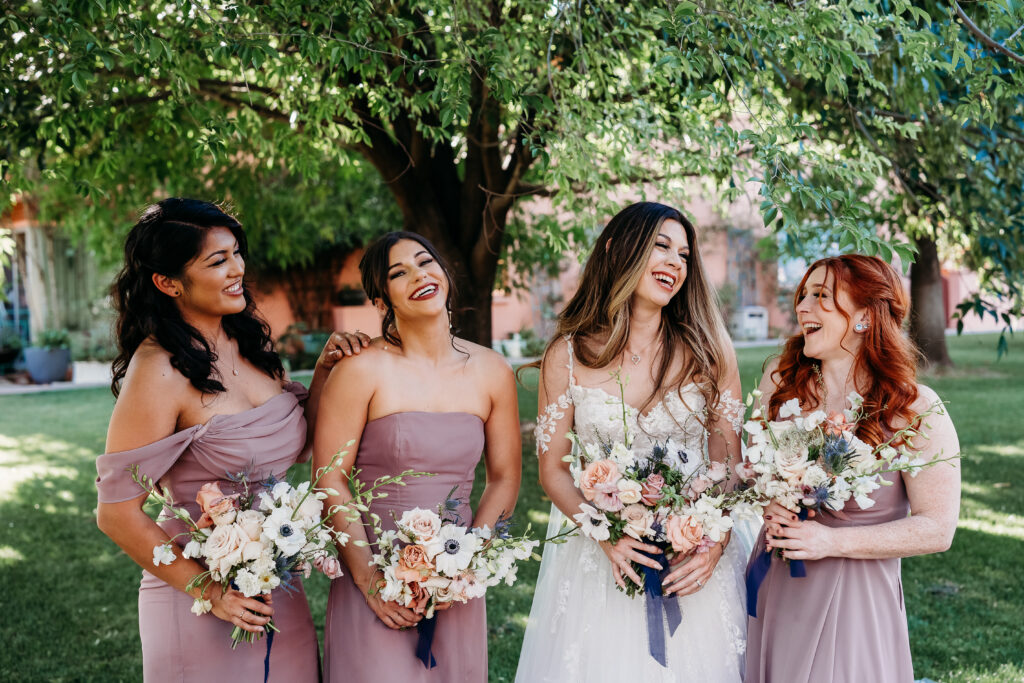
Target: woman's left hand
(693,574)
(339,345)
(807,540)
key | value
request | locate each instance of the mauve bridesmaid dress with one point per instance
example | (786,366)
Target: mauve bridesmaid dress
(844,622)
(176,644)
(358,647)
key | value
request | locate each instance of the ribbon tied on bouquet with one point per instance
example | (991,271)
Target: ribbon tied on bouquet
(425,640)
(759,570)
(660,608)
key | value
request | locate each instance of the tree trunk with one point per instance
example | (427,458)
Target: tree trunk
(927,311)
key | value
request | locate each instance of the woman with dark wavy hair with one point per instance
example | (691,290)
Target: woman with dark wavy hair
(845,620)
(417,398)
(644,307)
(200,393)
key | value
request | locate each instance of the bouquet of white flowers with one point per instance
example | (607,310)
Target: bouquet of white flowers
(814,462)
(258,539)
(431,558)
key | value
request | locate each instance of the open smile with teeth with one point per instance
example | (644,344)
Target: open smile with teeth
(235,288)
(665,280)
(424,292)
(810,328)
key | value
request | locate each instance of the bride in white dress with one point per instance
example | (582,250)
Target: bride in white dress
(644,306)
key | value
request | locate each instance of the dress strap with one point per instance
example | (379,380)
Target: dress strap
(568,348)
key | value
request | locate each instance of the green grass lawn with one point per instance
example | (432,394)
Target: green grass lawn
(68,598)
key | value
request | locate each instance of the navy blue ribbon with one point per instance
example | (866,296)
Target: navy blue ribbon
(758,570)
(425,640)
(266,660)
(657,606)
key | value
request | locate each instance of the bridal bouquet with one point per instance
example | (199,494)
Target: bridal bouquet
(807,463)
(814,462)
(257,540)
(647,495)
(431,559)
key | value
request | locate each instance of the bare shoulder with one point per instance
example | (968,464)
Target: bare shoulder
(150,373)
(483,360)
(928,401)
(363,366)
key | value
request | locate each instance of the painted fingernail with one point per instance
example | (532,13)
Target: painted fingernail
(767,516)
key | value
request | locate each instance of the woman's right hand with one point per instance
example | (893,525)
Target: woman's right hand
(776,516)
(624,553)
(390,613)
(249,614)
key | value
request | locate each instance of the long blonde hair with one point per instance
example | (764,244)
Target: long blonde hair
(601,307)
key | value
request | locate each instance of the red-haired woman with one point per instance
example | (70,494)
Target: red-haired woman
(845,620)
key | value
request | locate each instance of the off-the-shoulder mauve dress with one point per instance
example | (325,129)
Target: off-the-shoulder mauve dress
(358,647)
(176,644)
(845,621)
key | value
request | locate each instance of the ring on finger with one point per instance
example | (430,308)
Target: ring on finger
(699,584)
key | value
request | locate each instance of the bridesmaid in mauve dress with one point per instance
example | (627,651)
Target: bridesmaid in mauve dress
(845,621)
(200,394)
(418,398)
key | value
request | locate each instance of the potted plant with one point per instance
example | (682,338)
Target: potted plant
(49,358)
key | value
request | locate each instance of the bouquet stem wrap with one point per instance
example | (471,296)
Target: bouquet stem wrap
(266,660)
(658,605)
(759,570)
(425,628)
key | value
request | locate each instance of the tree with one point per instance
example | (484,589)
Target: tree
(463,109)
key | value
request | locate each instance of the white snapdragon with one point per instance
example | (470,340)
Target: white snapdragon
(162,554)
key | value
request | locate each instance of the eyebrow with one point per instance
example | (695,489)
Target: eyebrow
(663,235)
(415,256)
(219,252)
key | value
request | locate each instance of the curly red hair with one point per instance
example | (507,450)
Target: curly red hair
(887,357)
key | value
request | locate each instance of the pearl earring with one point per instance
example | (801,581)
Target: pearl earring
(860,327)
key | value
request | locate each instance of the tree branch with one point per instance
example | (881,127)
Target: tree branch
(984,37)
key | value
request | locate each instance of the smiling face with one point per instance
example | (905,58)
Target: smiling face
(666,267)
(211,283)
(417,284)
(828,333)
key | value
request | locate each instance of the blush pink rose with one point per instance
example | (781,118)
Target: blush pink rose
(329,565)
(746,471)
(683,532)
(835,424)
(597,473)
(638,521)
(698,485)
(424,524)
(215,510)
(419,599)
(717,471)
(223,511)
(414,564)
(650,489)
(209,494)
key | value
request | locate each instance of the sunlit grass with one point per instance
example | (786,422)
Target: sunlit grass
(69,595)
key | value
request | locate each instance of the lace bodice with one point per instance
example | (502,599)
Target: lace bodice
(680,416)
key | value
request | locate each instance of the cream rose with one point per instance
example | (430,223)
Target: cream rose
(792,464)
(224,548)
(629,491)
(251,522)
(717,471)
(597,473)
(251,550)
(638,521)
(424,524)
(683,532)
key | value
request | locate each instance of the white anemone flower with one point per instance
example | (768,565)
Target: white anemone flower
(287,534)
(593,523)
(457,548)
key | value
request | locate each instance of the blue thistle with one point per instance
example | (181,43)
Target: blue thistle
(835,453)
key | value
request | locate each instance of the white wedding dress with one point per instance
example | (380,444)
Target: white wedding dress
(581,627)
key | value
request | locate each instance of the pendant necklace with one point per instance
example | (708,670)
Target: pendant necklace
(635,357)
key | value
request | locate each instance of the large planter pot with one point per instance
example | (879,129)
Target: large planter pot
(47,365)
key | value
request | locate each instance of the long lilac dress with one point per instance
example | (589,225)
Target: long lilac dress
(176,644)
(358,647)
(844,622)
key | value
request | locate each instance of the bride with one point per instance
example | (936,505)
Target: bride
(644,306)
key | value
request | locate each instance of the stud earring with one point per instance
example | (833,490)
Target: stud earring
(860,327)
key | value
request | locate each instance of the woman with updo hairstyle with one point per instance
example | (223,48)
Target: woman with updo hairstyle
(200,394)
(845,621)
(644,314)
(418,398)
